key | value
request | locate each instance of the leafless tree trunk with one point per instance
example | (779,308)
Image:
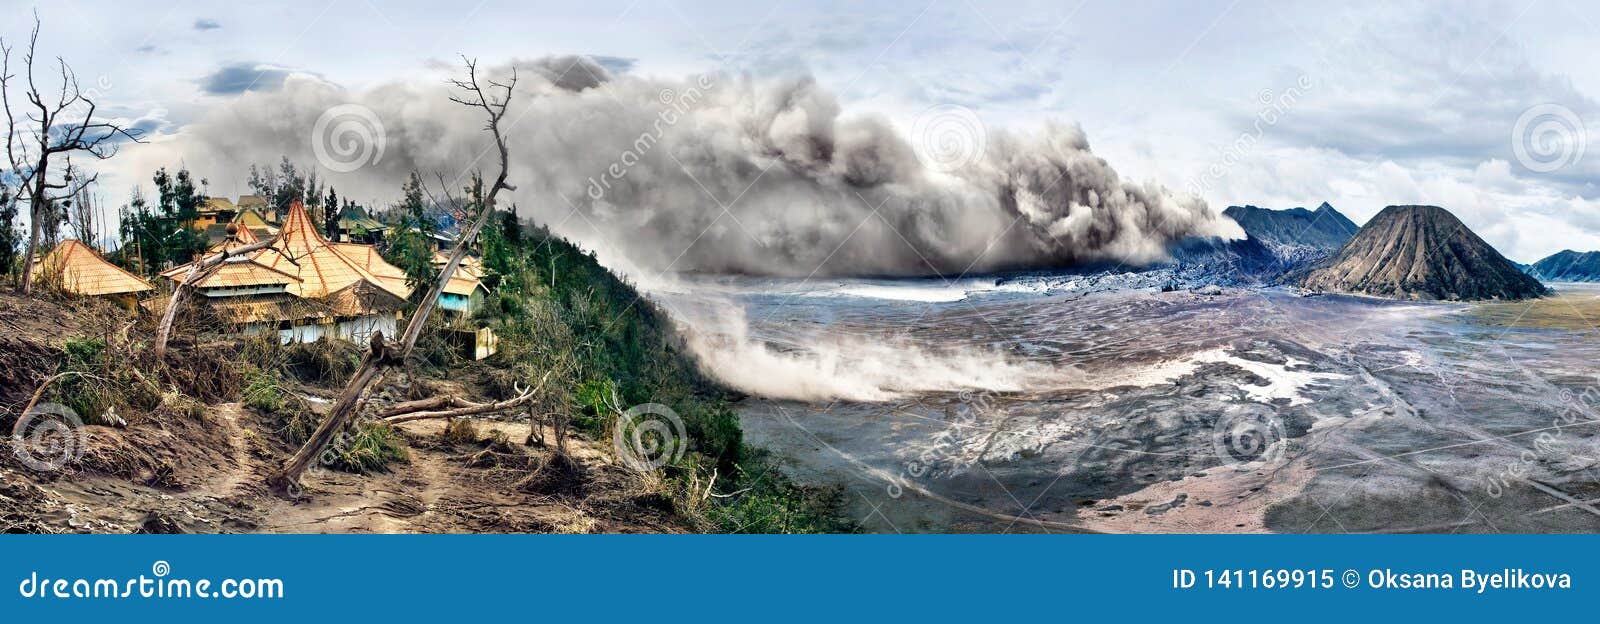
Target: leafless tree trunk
(62,126)
(493,100)
(459,407)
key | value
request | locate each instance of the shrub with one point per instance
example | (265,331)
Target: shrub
(261,392)
(325,362)
(460,431)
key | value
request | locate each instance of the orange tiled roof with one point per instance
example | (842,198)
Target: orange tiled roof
(463,285)
(84,272)
(467,278)
(318,268)
(389,275)
(471,265)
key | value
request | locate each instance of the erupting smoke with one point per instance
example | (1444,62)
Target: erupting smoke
(828,367)
(731,174)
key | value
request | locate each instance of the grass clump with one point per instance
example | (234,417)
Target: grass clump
(759,499)
(369,447)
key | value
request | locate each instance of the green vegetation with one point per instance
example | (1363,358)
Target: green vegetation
(11,237)
(94,388)
(369,448)
(555,308)
(157,236)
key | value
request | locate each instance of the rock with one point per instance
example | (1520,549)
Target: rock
(159,523)
(1167,506)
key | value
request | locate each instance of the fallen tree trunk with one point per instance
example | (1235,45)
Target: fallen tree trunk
(466,410)
(287,479)
(410,407)
(429,408)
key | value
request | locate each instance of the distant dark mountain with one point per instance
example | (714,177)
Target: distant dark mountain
(1296,235)
(1568,266)
(1419,252)
(1275,241)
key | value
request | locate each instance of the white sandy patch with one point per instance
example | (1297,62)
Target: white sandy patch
(1282,381)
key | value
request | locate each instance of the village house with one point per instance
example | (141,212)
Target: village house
(302,287)
(214,211)
(75,268)
(257,222)
(356,226)
(262,207)
(465,291)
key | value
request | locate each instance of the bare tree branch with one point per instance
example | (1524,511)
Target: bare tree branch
(58,131)
(380,353)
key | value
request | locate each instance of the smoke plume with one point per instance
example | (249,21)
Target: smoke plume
(720,173)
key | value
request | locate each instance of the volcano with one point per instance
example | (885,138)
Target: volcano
(1421,253)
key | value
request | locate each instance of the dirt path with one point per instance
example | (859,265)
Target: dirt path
(441,489)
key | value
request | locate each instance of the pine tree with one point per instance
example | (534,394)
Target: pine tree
(331,215)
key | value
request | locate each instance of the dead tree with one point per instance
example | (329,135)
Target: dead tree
(458,407)
(493,100)
(60,126)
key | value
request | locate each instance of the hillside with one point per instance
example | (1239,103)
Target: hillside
(1568,266)
(1419,252)
(186,444)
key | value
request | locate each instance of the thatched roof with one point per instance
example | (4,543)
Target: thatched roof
(80,270)
(218,204)
(467,278)
(318,268)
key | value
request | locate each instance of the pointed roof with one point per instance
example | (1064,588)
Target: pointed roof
(468,276)
(236,236)
(82,271)
(317,268)
(252,218)
(472,265)
(354,217)
(366,255)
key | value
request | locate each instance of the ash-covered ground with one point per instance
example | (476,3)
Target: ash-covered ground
(1096,404)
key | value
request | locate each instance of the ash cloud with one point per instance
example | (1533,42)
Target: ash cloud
(730,173)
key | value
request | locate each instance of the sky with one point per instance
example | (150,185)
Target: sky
(1487,109)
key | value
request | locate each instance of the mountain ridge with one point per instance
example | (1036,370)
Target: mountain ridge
(1295,235)
(1568,266)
